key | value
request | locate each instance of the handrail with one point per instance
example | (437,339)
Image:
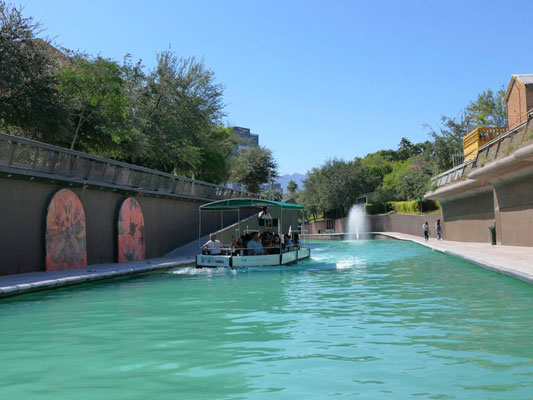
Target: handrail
(233,249)
(28,157)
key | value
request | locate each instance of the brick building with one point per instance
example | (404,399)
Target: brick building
(519,99)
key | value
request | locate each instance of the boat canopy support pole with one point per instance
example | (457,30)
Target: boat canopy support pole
(280,227)
(200,230)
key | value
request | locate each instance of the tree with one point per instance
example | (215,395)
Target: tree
(29,102)
(448,141)
(292,187)
(178,109)
(408,180)
(216,155)
(488,109)
(94,92)
(253,167)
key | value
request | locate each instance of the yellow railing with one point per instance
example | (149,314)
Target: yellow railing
(477,138)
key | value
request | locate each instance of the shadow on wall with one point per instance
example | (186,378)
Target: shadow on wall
(26,222)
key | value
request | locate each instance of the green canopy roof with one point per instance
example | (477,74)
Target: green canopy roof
(234,204)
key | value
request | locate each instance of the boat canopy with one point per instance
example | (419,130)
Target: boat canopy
(235,204)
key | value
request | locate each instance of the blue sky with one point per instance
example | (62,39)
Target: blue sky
(317,79)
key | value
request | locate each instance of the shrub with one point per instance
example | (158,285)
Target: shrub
(413,206)
(376,208)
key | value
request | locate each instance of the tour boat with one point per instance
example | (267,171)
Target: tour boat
(281,219)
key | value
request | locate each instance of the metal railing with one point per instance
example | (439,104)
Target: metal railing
(25,157)
(461,172)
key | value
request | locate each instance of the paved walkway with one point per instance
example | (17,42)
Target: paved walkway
(514,261)
(11,285)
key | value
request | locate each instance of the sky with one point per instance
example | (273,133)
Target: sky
(317,79)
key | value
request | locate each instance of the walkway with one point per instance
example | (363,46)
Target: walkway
(514,261)
(11,285)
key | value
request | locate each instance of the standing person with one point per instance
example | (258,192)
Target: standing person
(438,229)
(265,214)
(426,231)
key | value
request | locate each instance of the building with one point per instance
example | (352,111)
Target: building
(249,139)
(488,198)
(519,99)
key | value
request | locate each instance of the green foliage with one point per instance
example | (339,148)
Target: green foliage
(29,101)
(413,207)
(375,208)
(336,185)
(216,155)
(178,107)
(93,90)
(488,109)
(403,207)
(448,141)
(168,118)
(292,187)
(277,195)
(481,160)
(252,167)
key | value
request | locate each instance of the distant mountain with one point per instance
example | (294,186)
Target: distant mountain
(285,179)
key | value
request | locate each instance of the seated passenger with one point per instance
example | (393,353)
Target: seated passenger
(213,246)
(239,246)
(254,246)
(296,239)
(288,241)
(276,245)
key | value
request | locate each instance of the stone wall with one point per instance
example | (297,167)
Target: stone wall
(403,223)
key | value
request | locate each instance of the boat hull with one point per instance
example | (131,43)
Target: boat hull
(269,260)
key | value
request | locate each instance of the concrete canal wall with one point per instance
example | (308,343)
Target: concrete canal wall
(62,209)
(404,223)
(169,223)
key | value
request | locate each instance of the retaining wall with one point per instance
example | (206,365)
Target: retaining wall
(403,223)
(169,223)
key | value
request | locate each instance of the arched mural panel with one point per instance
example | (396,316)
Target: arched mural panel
(66,243)
(131,240)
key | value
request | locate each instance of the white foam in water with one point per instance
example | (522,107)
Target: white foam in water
(357,221)
(348,263)
(198,271)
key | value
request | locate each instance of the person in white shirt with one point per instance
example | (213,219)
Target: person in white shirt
(264,214)
(213,245)
(426,231)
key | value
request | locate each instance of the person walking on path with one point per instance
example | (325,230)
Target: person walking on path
(426,231)
(438,229)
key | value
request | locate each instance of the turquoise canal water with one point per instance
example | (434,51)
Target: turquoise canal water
(369,320)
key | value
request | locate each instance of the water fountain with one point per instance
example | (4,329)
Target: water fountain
(357,222)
